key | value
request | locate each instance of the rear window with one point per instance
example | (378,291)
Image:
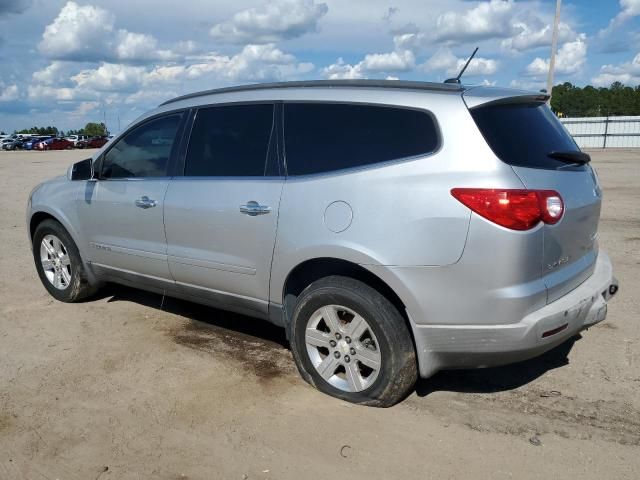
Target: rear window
(524,134)
(326,137)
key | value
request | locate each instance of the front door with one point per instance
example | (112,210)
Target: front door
(121,212)
(221,216)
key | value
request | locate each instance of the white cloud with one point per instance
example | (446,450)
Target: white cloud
(8,93)
(110,77)
(627,73)
(527,85)
(150,97)
(445,61)
(398,61)
(570,59)
(412,40)
(628,10)
(342,70)
(486,20)
(389,62)
(43,92)
(84,108)
(530,37)
(519,26)
(88,33)
(140,46)
(271,22)
(78,33)
(252,63)
(55,73)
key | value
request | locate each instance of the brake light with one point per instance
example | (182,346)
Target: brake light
(514,209)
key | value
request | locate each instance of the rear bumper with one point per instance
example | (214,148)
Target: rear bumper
(476,346)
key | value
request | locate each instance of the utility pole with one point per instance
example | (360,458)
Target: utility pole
(554,48)
(104,116)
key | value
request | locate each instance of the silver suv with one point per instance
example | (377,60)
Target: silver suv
(394,229)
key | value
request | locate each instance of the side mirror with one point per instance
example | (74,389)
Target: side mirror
(82,170)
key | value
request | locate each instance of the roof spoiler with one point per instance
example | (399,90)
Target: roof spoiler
(482,96)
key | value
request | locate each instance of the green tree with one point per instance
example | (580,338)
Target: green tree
(95,129)
(571,101)
(39,130)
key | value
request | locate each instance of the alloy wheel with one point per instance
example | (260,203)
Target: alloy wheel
(343,348)
(56,263)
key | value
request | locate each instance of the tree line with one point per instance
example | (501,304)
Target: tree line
(568,100)
(91,129)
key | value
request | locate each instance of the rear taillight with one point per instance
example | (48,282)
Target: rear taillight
(514,209)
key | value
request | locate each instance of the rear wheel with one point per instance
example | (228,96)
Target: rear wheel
(350,342)
(58,263)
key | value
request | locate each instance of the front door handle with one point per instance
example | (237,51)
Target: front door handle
(145,202)
(253,208)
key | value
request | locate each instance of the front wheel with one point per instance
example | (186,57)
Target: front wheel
(350,342)
(58,263)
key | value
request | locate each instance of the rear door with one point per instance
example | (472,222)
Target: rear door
(523,133)
(221,216)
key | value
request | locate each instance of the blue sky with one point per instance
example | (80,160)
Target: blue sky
(65,63)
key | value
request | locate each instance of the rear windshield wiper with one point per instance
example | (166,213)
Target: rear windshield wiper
(571,157)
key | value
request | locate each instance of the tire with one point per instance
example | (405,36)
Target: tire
(316,346)
(66,279)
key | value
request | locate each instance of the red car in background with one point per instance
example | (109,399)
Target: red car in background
(54,144)
(95,142)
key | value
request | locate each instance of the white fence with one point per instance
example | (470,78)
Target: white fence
(604,132)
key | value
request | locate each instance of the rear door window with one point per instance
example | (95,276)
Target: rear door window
(230,141)
(524,134)
(322,137)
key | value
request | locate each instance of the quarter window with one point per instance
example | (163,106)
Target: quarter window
(230,141)
(143,152)
(325,137)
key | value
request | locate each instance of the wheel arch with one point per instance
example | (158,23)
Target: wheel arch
(37,218)
(40,215)
(310,270)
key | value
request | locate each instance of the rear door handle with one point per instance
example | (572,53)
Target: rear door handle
(253,208)
(145,202)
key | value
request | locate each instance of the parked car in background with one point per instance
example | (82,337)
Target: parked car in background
(12,144)
(394,229)
(39,143)
(54,144)
(76,138)
(29,144)
(94,142)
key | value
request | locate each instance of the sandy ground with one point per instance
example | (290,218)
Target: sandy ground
(122,387)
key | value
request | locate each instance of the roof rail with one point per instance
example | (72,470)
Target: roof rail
(400,84)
